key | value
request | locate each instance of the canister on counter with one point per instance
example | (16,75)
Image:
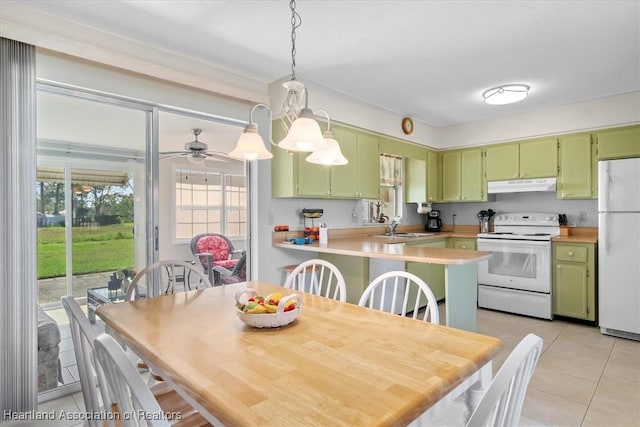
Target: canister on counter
(324,234)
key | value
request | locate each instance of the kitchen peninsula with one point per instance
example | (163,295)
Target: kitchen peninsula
(460,268)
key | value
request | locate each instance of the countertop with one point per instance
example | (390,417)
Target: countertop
(371,246)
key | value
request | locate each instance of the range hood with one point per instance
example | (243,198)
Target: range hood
(521,185)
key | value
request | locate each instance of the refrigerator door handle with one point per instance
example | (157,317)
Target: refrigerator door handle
(604,232)
(604,186)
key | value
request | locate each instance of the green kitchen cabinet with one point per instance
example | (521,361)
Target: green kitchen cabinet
(415,180)
(461,243)
(355,271)
(577,168)
(502,162)
(293,176)
(471,182)
(360,178)
(462,176)
(536,158)
(574,280)
(434,183)
(421,178)
(432,274)
(451,176)
(344,179)
(539,158)
(619,143)
(368,166)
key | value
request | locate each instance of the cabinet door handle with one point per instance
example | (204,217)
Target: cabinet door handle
(559,267)
(570,253)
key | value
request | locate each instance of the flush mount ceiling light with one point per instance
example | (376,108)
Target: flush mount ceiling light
(507,94)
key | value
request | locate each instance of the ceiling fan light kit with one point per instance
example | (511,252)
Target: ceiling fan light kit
(505,94)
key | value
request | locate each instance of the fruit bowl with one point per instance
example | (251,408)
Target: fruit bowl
(268,320)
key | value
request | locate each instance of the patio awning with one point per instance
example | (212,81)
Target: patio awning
(83,176)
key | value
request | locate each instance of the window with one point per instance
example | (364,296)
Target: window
(210,202)
(390,203)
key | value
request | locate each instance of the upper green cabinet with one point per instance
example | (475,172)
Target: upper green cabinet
(415,180)
(577,178)
(619,143)
(502,162)
(422,183)
(536,158)
(293,176)
(360,178)
(434,183)
(462,176)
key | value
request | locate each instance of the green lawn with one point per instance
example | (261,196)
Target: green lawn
(104,248)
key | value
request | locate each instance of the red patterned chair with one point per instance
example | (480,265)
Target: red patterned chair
(215,250)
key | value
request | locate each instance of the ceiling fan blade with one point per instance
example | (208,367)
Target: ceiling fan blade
(215,156)
(163,153)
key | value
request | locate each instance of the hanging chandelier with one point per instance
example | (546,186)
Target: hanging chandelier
(303,132)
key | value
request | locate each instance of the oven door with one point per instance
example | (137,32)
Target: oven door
(516,264)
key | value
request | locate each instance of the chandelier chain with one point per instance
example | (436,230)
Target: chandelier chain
(296,21)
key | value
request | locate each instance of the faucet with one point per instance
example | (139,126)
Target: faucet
(394,225)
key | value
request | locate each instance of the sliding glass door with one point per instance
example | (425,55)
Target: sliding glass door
(91,197)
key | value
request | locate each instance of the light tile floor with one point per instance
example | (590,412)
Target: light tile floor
(583,378)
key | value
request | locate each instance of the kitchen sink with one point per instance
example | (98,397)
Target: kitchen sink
(402,235)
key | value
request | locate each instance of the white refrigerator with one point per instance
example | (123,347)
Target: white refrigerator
(619,247)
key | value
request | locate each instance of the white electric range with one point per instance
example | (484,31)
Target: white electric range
(517,278)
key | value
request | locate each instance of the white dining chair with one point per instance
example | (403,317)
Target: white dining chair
(319,277)
(131,394)
(94,381)
(393,291)
(82,336)
(502,403)
(171,277)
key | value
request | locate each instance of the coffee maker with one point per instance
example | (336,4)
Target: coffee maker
(434,223)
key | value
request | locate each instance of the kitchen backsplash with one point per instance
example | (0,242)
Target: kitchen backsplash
(523,202)
(348,213)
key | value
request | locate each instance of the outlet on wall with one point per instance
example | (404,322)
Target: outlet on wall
(583,216)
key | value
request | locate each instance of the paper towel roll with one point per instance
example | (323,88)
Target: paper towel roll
(424,208)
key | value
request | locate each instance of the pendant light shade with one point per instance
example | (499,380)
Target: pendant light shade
(305,134)
(331,155)
(250,145)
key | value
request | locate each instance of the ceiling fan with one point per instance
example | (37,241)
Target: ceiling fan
(196,151)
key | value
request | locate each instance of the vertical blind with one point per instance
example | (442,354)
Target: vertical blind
(18,295)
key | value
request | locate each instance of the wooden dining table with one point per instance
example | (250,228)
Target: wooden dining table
(336,364)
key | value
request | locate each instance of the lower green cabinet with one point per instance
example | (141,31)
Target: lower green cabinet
(432,274)
(574,280)
(462,243)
